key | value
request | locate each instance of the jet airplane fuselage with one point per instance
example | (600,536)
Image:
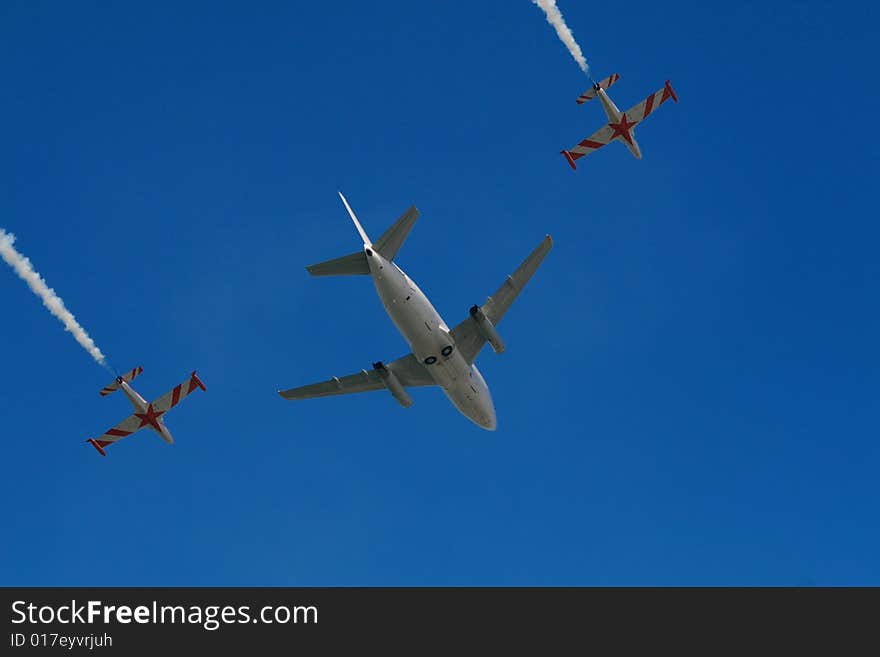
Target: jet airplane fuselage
(428,336)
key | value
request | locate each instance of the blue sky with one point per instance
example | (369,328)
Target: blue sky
(689,394)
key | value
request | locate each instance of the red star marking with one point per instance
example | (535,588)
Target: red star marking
(623,128)
(151,417)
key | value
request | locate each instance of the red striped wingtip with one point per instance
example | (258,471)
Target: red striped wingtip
(671,91)
(95,444)
(199,382)
(570,159)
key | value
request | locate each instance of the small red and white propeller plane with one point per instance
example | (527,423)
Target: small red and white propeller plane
(145,414)
(621,125)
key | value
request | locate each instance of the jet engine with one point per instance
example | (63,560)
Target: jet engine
(487,329)
(395,387)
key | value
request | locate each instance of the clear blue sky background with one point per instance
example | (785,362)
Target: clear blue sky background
(690,390)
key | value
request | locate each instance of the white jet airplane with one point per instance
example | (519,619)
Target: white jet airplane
(440,356)
(621,125)
(145,414)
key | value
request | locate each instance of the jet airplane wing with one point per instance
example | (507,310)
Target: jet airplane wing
(469,340)
(409,371)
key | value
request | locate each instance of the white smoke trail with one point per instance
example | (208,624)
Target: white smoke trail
(52,301)
(554,17)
